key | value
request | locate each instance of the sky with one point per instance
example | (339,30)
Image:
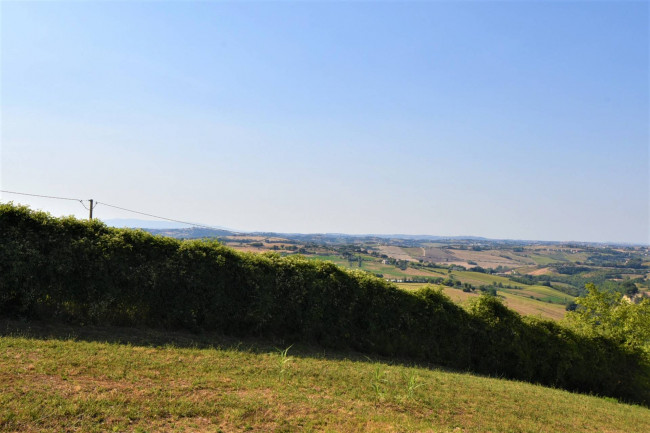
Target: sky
(509,120)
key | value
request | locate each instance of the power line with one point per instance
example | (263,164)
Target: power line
(93,206)
(156,216)
(38,195)
(54,197)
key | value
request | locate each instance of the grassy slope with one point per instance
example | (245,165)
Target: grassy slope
(67,385)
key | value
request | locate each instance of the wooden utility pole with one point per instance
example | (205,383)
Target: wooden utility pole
(91,209)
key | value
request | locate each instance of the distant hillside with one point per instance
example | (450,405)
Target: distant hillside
(169,228)
(143,224)
(134,223)
(189,233)
(180,231)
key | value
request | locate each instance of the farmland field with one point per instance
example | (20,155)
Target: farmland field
(521,303)
(525,299)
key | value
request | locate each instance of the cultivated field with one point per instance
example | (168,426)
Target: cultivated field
(514,300)
(525,299)
(397,252)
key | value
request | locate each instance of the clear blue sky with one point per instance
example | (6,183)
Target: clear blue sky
(523,120)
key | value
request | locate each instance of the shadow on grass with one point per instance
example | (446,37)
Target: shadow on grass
(159,338)
(149,337)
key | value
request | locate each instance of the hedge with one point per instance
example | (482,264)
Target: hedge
(64,269)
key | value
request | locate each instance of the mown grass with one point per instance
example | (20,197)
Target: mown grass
(58,384)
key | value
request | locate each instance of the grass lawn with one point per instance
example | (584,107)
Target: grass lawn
(86,385)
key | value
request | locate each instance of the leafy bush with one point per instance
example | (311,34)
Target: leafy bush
(608,314)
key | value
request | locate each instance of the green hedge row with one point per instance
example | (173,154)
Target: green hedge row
(85,272)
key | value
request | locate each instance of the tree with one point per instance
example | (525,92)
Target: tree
(630,288)
(607,314)
(635,263)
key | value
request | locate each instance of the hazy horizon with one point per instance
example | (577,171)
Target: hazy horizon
(136,223)
(503,120)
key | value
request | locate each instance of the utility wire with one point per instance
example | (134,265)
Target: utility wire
(38,195)
(46,196)
(117,207)
(162,218)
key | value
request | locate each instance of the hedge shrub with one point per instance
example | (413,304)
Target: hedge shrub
(87,273)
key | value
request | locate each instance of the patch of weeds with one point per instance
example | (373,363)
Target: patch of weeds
(411,382)
(283,360)
(378,383)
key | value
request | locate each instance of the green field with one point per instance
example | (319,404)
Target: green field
(54,385)
(337,260)
(544,259)
(369,263)
(546,294)
(514,299)
(478,278)
(413,252)
(540,293)
(525,299)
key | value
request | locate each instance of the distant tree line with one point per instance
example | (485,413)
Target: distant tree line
(574,285)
